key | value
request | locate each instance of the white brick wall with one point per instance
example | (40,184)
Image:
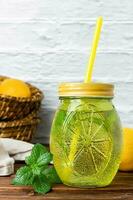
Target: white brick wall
(48,41)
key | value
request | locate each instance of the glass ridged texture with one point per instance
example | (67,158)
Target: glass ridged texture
(86,141)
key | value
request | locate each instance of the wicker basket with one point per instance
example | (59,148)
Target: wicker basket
(22,129)
(12,108)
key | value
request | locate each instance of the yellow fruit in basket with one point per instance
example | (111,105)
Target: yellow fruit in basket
(127,153)
(15,88)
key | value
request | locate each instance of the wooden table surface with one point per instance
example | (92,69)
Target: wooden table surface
(120,189)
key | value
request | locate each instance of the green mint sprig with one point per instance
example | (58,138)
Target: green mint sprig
(37,172)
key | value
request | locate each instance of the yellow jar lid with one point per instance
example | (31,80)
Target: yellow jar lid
(91,89)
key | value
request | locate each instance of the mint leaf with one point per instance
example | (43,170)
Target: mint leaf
(36,170)
(41,184)
(24,176)
(37,173)
(37,151)
(52,175)
(44,159)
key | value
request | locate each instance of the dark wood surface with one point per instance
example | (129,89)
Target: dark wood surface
(120,189)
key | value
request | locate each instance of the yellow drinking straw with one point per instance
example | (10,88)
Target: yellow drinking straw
(73,146)
(96,37)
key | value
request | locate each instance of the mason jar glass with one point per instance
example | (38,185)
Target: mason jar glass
(86,135)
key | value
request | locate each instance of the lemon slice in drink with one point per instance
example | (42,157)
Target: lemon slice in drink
(89,142)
